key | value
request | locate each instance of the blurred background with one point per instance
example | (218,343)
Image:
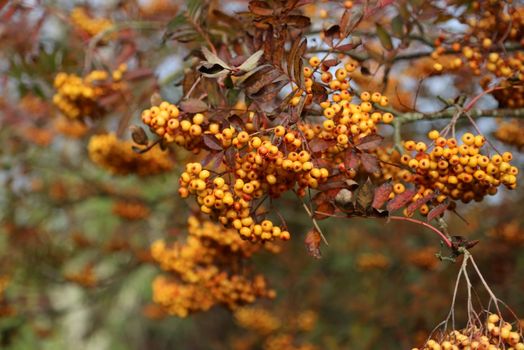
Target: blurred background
(75,263)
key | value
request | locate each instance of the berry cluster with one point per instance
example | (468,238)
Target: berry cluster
(87,24)
(267,161)
(79,97)
(372,261)
(510,232)
(130,210)
(424,258)
(275,331)
(446,169)
(257,319)
(206,270)
(345,122)
(478,45)
(497,334)
(117,157)
(511,132)
(285,342)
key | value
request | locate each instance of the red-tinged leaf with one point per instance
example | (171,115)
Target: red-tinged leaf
(344,22)
(193,105)
(331,185)
(330,63)
(400,200)
(471,244)
(213,157)
(212,142)
(381,195)
(350,46)
(312,242)
(418,203)
(352,160)
(437,211)
(369,162)
(230,157)
(324,210)
(369,142)
(318,145)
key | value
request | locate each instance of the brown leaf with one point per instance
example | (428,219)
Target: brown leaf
(324,210)
(212,142)
(290,59)
(213,157)
(418,203)
(365,195)
(319,93)
(352,159)
(193,105)
(312,242)
(330,63)
(369,142)
(330,33)
(437,211)
(260,79)
(344,22)
(350,46)
(260,8)
(318,145)
(139,135)
(298,21)
(269,92)
(298,64)
(369,162)
(381,195)
(230,157)
(400,200)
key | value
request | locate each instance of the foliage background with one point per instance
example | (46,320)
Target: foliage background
(377,285)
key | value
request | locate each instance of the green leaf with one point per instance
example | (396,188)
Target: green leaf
(384,37)
(397,25)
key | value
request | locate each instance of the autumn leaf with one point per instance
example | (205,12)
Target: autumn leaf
(384,37)
(139,135)
(369,163)
(418,203)
(381,195)
(312,241)
(193,105)
(369,142)
(212,142)
(365,195)
(400,200)
(437,211)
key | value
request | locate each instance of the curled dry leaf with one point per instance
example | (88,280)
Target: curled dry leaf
(312,242)
(139,136)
